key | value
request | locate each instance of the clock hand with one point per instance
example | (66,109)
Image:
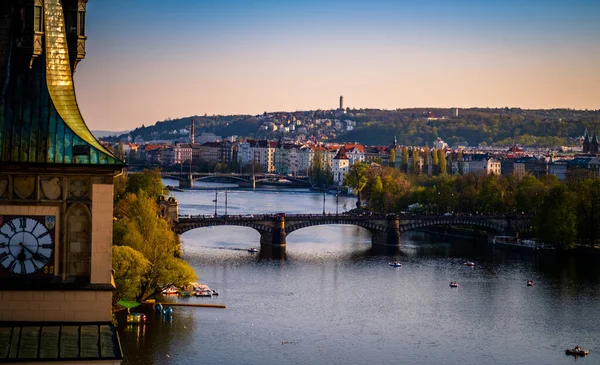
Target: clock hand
(27,248)
(35,255)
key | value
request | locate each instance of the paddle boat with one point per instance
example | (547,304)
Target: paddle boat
(395,264)
(252,250)
(469,263)
(454,284)
(136,318)
(577,351)
(529,282)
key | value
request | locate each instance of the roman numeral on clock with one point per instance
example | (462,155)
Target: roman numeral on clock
(43,235)
(12,265)
(3,256)
(12,226)
(40,257)
(22,223)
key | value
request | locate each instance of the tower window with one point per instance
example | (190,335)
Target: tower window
(81,23)
(37,19)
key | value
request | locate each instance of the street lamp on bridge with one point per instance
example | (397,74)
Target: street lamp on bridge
(215,202)
(324,201)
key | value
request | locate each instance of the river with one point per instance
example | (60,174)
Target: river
(331,301)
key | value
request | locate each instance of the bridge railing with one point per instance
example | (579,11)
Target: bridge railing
(345,215)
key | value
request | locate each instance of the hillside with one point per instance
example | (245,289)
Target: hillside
(417,126)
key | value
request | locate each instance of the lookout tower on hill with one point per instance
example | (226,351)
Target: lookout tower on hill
(56,194)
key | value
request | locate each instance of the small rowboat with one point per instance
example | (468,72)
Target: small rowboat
(529,282)
(454,284)
(577,351)
(252,250)
(395,264)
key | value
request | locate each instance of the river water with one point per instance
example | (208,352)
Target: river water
(330,300)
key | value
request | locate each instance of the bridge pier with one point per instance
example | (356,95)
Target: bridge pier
(276,237)
(389,238)
(187,182)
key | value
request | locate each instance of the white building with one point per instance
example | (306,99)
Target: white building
(341,165)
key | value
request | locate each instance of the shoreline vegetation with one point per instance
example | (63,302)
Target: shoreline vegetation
(146,250)
(564,214)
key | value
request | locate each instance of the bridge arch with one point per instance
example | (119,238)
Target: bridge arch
(489,225)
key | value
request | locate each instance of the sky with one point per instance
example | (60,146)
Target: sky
(149,60)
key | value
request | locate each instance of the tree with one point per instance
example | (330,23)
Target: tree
(319,172)
(376,199)
(426,159)
(588,210)
(149,181)
(404,159)
(130,267)
(357,178)
(138,226)
(442,161)
(415,161)
(393,157)
(557,221)
(435,161)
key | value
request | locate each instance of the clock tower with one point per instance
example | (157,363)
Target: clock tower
(56,194)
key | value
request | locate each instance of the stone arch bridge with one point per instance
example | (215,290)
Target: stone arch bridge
(385,229)
(186,179)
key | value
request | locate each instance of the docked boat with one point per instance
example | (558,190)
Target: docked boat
(170,290)
(395,264)
(469,263)
(529,282)
(204,293)
(454,284)
(512,242)
(577,351)
(252,250)
(136,318)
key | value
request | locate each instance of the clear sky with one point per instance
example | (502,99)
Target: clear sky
(148,60)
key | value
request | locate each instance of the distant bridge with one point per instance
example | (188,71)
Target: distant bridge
(186,179)
(385,229)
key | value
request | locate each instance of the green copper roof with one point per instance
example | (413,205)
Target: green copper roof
(59,341)
(40,121)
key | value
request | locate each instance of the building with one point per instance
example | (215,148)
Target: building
(56,209)
(340,168)
(590,146)
(483,164)
(341,102)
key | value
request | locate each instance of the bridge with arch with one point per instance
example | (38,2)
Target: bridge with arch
(186,179)
(386,230)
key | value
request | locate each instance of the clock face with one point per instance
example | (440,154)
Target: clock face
(27,245)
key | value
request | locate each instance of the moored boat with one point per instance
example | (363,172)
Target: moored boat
(469,263)
(454,284)
(170,290)
(252,250)
(395,264)
(529,282)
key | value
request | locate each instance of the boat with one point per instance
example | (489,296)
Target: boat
(395,264)
(170,290)
(529,282)
(204,293)
(469,263)
(252,250)
(214,292)
(512,242)
(577,351)
(136,318)
(454,284)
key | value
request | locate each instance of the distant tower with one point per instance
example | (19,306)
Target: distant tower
(594,144)
(192,131)
(341,102)
(455,112)
(586,142)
